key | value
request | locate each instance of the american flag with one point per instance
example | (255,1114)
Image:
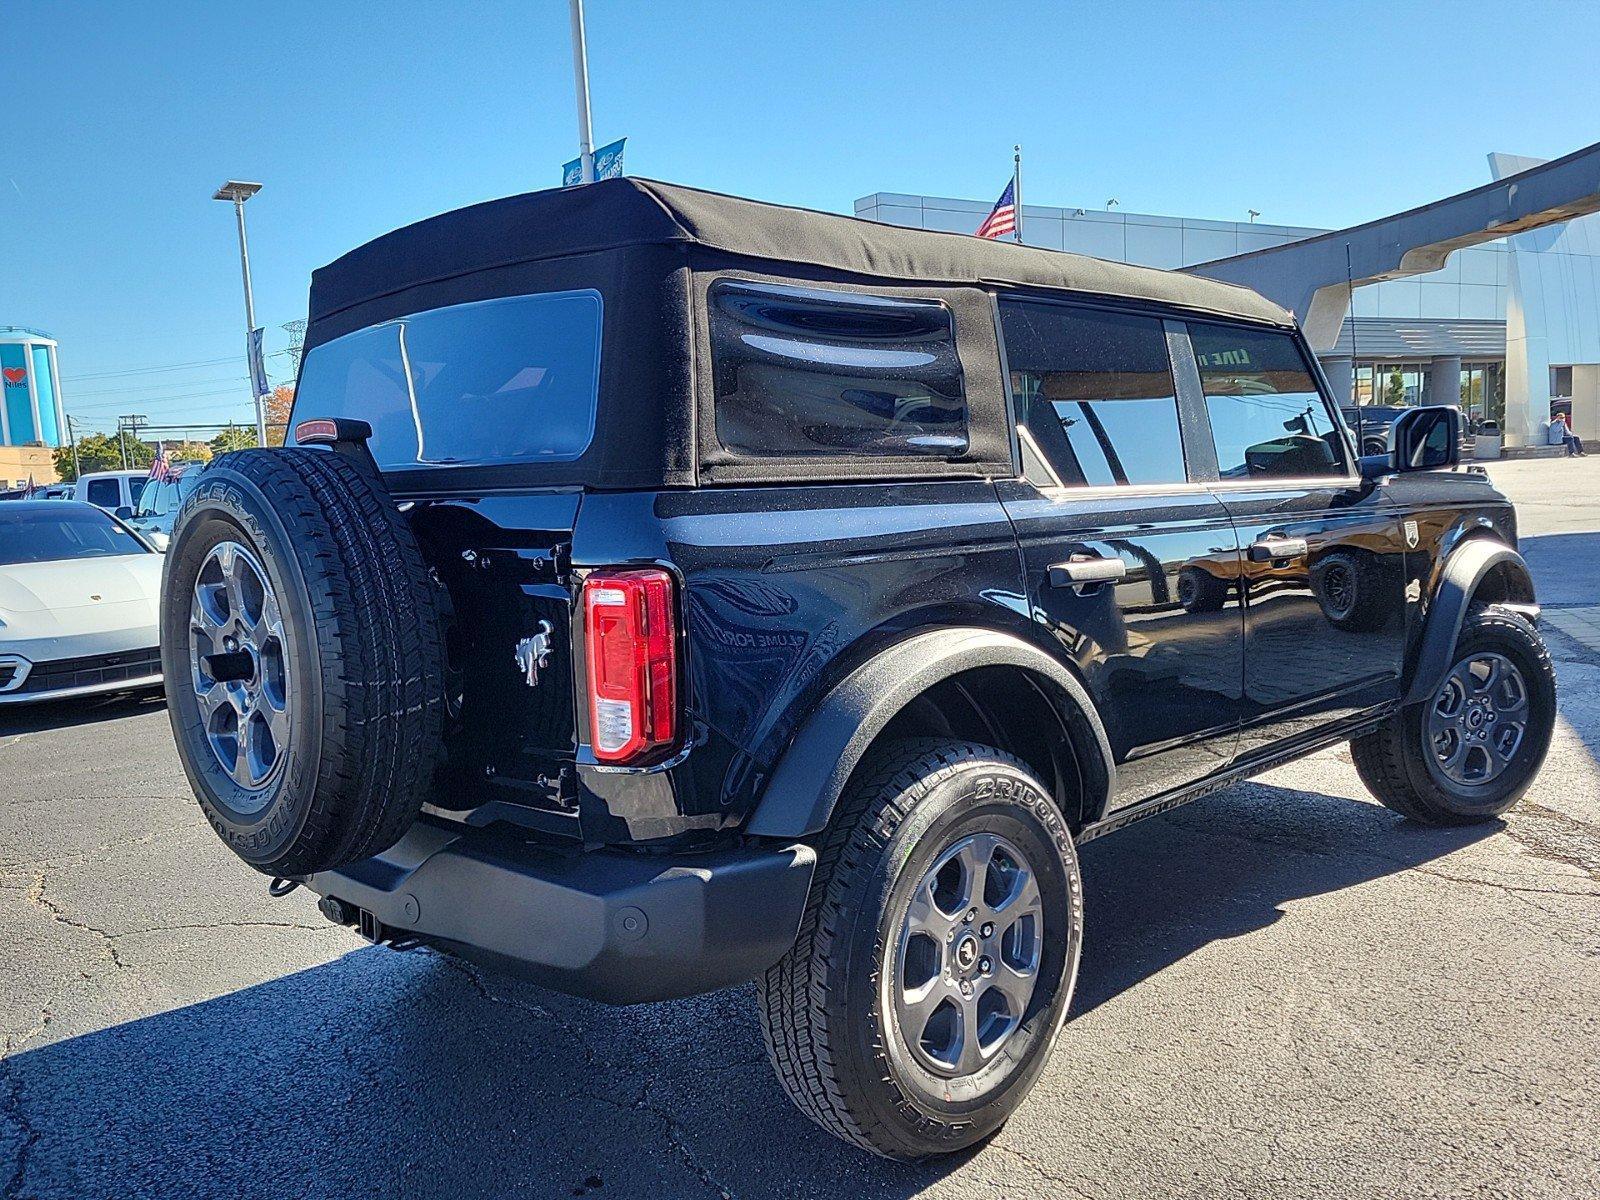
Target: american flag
(1003,219)
(161,468)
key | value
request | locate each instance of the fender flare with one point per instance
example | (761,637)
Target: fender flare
(1463,571)
(810,777)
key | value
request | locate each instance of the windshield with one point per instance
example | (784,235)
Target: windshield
(496,381)
(58,532)
(160,499)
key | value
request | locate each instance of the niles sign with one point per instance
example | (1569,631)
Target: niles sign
(16,376)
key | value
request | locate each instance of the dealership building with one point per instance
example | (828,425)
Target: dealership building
(1521,314)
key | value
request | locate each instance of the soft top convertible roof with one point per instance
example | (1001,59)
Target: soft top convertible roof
(616,214)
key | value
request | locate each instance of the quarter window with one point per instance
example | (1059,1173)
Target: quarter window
(804,372)
(1094,394)
(1267,418)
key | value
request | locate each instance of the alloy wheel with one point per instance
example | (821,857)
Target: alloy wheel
(240,669)
(968,955)
(1478,719)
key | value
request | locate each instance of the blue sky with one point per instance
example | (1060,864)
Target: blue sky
(120,120)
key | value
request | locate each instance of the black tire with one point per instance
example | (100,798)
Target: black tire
(1349,591)
(826,1010)
(1373,446)
(1398,764)
(357,665)
(1201,591)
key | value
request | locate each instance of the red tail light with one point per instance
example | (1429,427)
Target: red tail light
(631,640)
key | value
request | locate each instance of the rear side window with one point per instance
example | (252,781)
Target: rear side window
(498,381)
(1094,394)
(104,493)
(804,372)
(1267,418)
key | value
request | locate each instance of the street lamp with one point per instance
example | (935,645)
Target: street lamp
(238,193)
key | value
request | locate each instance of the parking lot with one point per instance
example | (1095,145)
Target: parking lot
(1286,991)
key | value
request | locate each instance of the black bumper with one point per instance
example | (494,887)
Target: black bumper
(612,926)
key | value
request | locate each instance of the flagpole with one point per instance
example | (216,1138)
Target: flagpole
(1016,183)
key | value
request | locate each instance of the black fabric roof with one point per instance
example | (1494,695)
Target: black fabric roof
(618,213)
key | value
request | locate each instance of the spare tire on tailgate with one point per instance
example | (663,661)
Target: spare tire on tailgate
(301,644)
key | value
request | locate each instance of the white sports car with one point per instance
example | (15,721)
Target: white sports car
(79,602)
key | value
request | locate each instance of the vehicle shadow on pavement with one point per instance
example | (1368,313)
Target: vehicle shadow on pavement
(64,714)
(1225,867)
(412,1074)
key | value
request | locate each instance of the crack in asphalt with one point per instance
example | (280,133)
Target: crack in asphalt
(108,940)
(13,1108)
(1569,829)
(673,1127)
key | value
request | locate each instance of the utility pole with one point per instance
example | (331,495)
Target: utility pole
(580,77)
(238,193)
(72,436)
(122,440)
(124,424)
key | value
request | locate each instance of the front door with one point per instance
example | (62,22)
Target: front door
(1322,552)
(1130,564)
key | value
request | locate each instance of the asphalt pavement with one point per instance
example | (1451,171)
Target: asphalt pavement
(1286,992)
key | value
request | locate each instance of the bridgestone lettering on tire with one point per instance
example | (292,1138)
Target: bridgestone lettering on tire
(294,585)
(833,1012)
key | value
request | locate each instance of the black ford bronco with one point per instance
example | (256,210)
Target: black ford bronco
(662,591)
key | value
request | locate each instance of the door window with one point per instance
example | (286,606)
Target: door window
(1267,417)
(1094,394)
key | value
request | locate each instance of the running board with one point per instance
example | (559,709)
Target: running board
(1168,801)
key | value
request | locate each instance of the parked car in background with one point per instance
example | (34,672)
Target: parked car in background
(79,599)
(54,491)
(1371,424)
(158,504)
(111,490)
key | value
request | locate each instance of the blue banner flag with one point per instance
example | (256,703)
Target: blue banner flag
(607,165)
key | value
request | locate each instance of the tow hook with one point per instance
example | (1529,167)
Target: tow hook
(281,887)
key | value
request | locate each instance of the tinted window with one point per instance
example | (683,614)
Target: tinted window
(498,381)
(1266,416)
(29,535)
(1094,394)
(813,373)
(105,493)
(163,498)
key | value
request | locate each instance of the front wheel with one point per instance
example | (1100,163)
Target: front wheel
(937,954)
(1469,752)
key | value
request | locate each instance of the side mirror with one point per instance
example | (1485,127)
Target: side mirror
(123,513)
(1427,439)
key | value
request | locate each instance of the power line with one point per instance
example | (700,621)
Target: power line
(132,389)
(204,362)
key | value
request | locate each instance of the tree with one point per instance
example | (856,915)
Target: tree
(1395,393)
(279,404)
(234,437)
(102,452)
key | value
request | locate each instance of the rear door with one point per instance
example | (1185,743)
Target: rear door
(1322,550)
(1130,560)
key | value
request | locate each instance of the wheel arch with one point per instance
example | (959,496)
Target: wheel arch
(1480,569)
(964,681)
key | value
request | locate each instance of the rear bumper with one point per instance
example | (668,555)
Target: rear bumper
(617,927)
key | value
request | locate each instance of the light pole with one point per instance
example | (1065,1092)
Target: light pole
(580,78)
(238,193)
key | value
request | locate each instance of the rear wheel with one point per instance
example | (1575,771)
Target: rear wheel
(937,955)
(1470,751)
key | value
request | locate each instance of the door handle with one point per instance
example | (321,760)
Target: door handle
(1080,571)
(1270,548)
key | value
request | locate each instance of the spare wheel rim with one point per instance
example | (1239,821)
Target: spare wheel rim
(239,668)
